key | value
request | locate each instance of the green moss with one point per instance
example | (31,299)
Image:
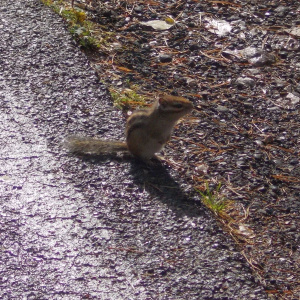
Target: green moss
(127,98)
(213,200)
(53,5)
(79,26)
(84,37)
(73,16)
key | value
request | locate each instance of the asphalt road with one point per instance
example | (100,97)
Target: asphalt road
(77,228)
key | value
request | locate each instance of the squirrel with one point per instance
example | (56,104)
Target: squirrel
(147,130)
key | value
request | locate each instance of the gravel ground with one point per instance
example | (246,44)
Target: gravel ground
(106,228)
(239,63)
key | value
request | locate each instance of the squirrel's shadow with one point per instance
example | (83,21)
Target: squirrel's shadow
(158,182)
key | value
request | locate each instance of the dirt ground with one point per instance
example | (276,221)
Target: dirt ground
(239,63)
(109,228)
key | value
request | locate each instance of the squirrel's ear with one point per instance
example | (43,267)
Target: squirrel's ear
(161,101)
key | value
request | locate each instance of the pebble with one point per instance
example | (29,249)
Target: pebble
(165,58)
(266,59)
(257,155)
(221,108)
(138,9)
(244,82)
(294,162)
(194,46)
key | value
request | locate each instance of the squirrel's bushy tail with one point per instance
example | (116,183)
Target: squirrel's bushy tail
(93,146)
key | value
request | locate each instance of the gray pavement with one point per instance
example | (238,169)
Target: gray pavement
(80,228)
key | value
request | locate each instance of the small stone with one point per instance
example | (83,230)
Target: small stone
(266,59)
(221,108)
(262,211)
(270,211)
(280,83)
(277,162)
(294,162)
(269,139)
(192,63)
(194,46)
(165,58)
(191,24)
(248,105)
(294,98)
(283,54)
(274,187)
(138,9)
(281,9)
(273,108)
(257,155)
(241,164)
(244,82)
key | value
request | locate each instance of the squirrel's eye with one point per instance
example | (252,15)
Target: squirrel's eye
(178,105)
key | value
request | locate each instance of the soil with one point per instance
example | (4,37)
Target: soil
(111,228)
(239,62)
